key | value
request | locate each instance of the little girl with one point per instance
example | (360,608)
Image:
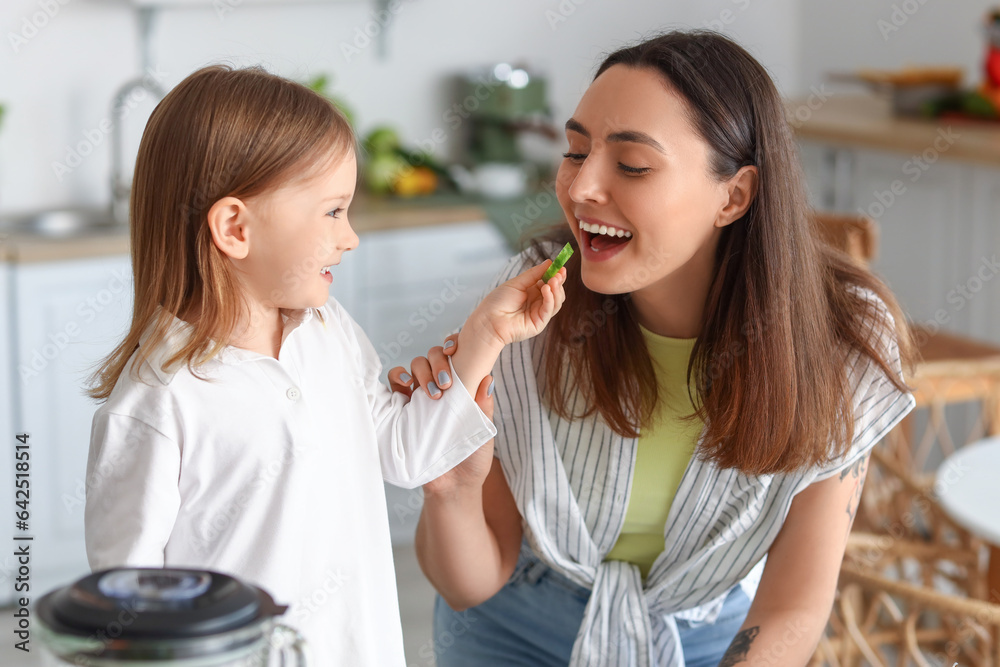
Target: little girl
(244,428)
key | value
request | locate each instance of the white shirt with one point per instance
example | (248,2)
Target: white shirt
(272,471)
(571,481)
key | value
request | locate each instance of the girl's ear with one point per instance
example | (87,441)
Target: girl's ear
(742,188)
(227,220)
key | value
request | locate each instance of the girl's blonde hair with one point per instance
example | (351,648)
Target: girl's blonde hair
(221,132)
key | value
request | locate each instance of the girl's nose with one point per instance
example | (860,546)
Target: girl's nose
(588,184)
(349,239)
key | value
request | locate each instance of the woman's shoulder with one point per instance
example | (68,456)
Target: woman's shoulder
(880,332)
(879,398)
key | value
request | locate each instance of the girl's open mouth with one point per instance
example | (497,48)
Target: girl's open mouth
(602,241)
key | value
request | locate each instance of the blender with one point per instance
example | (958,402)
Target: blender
(164,617)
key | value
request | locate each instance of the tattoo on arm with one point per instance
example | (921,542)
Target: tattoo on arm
(740,647)
(858,471)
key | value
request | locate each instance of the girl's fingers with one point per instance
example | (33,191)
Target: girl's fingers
(440,370)
(529,277)
(400,381)
(561,292)
(547,301)
(423,375)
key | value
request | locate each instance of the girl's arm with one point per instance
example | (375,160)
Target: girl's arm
(469,534)
(796,592)
(419,440)
(516,310)
(132,492)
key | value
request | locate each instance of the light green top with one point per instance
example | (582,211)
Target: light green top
(662,455)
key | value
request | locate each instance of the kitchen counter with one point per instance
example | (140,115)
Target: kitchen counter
(866,121)
(367,215)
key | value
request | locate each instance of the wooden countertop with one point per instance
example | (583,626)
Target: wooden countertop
(367,215)
(865,121)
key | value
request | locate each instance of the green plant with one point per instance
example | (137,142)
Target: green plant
(320,83)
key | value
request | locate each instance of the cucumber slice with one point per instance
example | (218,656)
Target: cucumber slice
(560,260)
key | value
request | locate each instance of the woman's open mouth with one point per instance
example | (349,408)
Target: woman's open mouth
(600,242)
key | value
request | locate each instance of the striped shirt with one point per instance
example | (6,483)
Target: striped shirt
(571,481)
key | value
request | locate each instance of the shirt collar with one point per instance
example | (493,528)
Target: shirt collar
(178,332)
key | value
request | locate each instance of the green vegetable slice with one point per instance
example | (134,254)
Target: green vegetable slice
(560,260)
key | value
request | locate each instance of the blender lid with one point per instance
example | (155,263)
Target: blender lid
(152,603)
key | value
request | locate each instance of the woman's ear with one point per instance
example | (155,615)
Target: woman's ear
(742,189)
(227,220)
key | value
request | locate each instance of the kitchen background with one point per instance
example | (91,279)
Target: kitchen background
(64,292)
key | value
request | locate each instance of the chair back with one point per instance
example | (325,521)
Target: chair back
(857,235)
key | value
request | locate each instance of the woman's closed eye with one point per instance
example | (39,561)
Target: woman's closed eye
(632,171)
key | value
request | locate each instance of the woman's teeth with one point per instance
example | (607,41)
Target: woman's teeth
(604,229)
(325,269)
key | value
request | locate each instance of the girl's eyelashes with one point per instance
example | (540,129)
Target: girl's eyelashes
(335,213)
(575,157)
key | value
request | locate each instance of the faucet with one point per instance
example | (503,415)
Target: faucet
(120,188)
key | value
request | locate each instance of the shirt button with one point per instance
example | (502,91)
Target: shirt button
(293,394)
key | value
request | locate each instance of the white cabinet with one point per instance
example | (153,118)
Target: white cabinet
(413,287)
(8,566)
(66,316)
(982,257)
(923,222)
(939,228)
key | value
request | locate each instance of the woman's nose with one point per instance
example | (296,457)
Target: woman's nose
(588,183)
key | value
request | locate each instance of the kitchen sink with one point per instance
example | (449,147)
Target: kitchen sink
(61,223)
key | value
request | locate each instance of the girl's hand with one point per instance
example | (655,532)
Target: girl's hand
(425,371)
(469,475)
(522,306)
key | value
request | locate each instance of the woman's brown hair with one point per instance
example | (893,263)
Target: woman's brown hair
(221,132)
(783,313)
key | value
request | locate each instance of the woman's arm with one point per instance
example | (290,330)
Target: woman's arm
(796,592)
(469,534)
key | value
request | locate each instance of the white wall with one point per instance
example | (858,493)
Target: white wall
(887,34)
(59,84)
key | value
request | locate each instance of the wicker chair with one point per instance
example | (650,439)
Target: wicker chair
(913,582)
(874,617)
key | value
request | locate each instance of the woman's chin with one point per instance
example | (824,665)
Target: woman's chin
(609,285)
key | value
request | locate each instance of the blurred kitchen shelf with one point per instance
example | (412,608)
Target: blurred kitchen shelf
(369,213)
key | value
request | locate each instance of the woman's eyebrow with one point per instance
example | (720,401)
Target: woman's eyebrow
(573,125)
(637,137)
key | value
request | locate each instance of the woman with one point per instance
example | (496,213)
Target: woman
(679,457)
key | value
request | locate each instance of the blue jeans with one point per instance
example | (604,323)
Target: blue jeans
(534,619)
